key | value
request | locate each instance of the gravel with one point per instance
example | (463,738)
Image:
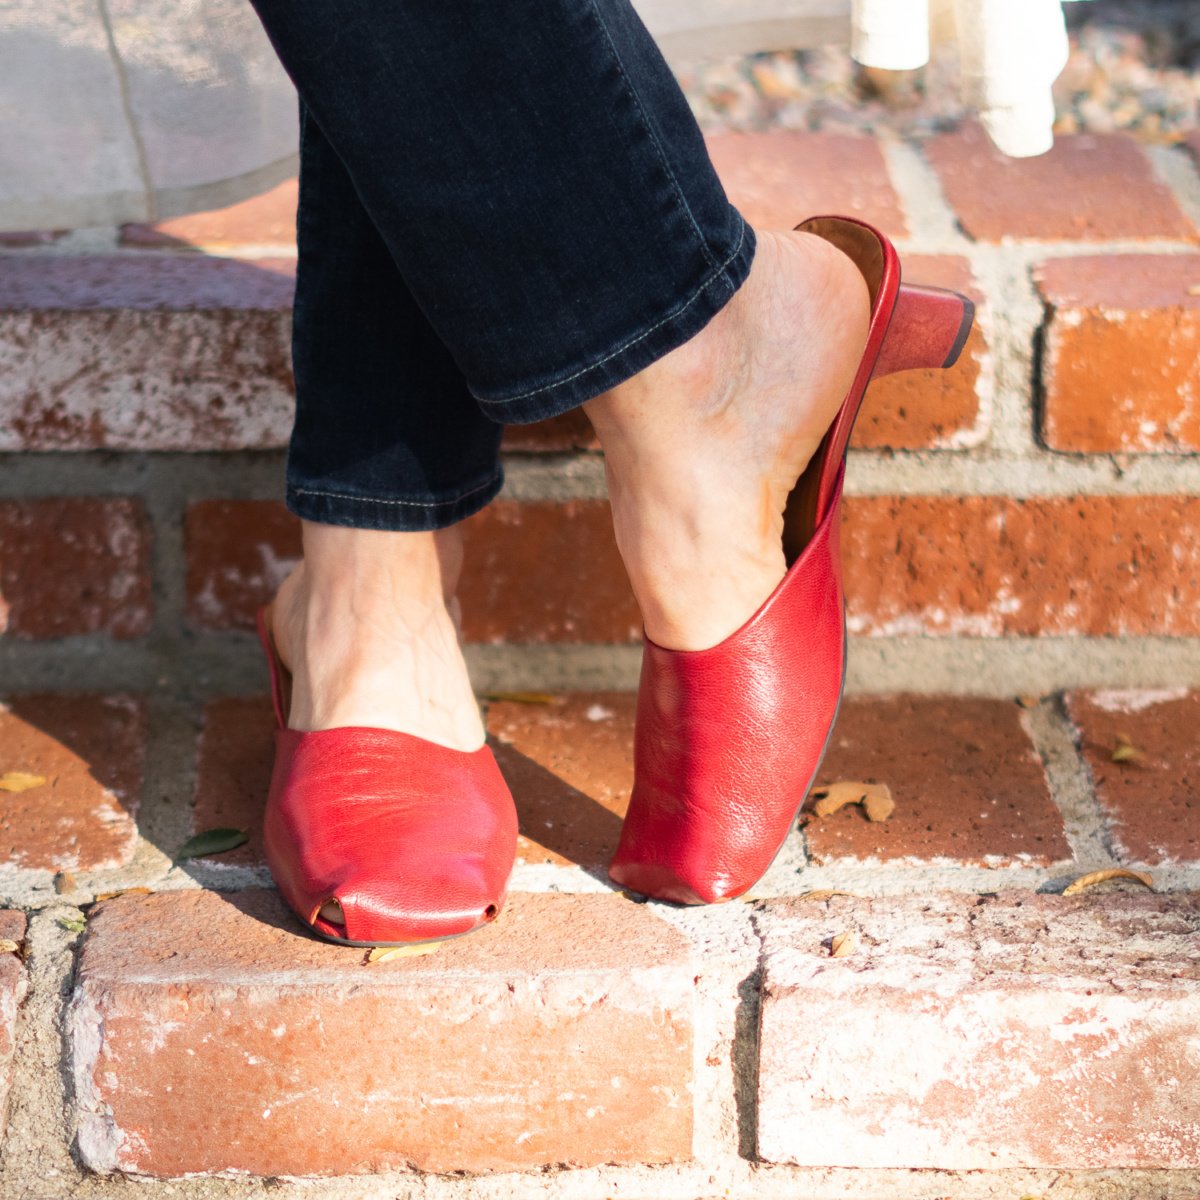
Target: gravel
(1134,68)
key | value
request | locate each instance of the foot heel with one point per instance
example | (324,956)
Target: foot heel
(928,329)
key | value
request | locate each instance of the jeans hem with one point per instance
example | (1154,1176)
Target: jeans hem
(328,507)
(634,354)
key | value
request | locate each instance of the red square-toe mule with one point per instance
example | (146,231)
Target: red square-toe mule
(729,739)
(414,841)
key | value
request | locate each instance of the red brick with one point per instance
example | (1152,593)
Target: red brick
(1153,804)
(562,1033)
(976,1033)
(916,410)
(1121,359)
(545,571)
(145,353)
(75,565)
(265,220)
(1088,188)
(238,553)
(233,773)
(991,566)
(570,431)
(31,237)
(91,750)
(540,571)
(12,991)
(967,783)
(776,180)
(570,767)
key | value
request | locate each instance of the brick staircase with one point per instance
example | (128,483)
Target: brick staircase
(1022,545)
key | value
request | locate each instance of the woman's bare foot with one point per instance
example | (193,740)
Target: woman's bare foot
(703,446)
(364,625)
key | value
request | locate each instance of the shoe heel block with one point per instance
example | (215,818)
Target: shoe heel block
(929,328)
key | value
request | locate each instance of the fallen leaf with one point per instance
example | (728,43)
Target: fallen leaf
(1086,881)
(843,944)
(122,892)
(64,883)
(212,841)
(1194,290)
(7,946)
(1029,701)
(823,894)
(387,953)
(74,924)
(1126,751)
(521,697)
(878,803)
(874,797)
(20,781)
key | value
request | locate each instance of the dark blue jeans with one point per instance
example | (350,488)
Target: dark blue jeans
(506,208)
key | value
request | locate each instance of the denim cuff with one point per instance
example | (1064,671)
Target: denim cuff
(396,515)
(616,364)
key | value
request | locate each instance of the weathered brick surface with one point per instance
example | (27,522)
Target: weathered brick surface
(238,553)
(570,767)
(916,410)
(234,759)
(265,220)
(74,565)
(540,571)
(971,1032)
(145,353)
(91,751)
(562,1033)
(12,992)
(544,571)
(1121,358)
(988,566)
(967,782)
(776,180)
(570,431)
(1089,187)
(1153,802)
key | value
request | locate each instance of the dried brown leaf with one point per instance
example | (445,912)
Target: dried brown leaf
(1086,881)
(64,882)
(823,894)
(388,953)
(878,803)
(123,892)
(843,944)
(521,697)
(20,781)
(876,798)
(1126,752)
(8,946)
(1029,701)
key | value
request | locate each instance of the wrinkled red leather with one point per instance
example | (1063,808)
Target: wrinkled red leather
(415,840)
(728,740)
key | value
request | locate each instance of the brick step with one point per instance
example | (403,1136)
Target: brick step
(973,781)
(548,571)
(571,1032)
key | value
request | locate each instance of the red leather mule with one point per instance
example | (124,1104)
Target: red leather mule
(729,739)
(415,841)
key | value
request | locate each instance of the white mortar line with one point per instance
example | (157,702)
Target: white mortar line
(1071,786)
(933,226)
(36,1158)
(1177,170)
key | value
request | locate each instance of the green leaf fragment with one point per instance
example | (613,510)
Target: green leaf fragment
(74,924)
(213,841)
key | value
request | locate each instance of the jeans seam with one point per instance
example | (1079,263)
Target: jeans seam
(682,308)
(662,158)
(299,491)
